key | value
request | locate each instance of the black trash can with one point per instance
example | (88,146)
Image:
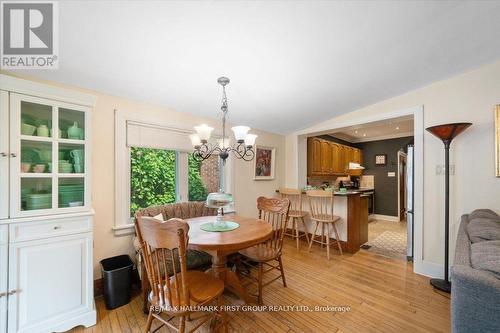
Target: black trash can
(117,280)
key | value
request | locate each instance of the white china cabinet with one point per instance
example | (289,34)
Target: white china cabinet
(46,282)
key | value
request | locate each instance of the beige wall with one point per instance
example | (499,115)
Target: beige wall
(469,97)
(106,244)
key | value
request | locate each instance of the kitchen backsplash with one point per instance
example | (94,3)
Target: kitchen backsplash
(367,181)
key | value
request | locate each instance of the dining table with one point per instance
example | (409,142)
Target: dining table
(220,245)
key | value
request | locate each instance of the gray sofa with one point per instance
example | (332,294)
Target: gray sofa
(475,275)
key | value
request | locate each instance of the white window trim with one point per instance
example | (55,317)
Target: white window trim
(124,225)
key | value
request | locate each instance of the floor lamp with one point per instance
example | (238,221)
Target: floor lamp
(446,133)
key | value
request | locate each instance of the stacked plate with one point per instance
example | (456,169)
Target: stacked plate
(70,193)
(65,166)
(38,201)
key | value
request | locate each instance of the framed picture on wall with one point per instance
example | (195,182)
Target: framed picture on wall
(497,140)
(381,159)
(264,162)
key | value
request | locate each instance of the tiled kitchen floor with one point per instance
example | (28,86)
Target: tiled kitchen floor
(387,238)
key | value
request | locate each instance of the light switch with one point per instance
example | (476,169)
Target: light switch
(391,174)
(440,169)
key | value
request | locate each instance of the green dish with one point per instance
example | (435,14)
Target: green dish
(210,227)
(27,129)
(38,201)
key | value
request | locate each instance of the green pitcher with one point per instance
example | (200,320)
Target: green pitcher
(75,132)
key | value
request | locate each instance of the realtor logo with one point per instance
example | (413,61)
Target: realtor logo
(29,35)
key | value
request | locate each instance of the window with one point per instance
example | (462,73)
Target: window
(156,177)
(154,166)
(152,177)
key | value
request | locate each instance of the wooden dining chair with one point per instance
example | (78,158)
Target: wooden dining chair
(321,210)
(275,212)
(174,289)
(295,214)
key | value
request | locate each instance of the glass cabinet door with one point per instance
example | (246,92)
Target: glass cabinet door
(49,174)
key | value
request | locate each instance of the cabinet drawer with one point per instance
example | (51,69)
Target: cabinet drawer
(49,228)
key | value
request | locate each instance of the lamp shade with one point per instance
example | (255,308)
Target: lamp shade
(448,132)
(250,140)
(204,131)
(195,140)
(240,132)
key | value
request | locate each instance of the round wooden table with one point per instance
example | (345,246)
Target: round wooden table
(221,244)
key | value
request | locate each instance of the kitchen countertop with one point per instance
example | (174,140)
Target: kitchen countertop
(347,193)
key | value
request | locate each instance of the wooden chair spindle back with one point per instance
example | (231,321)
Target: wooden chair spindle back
(320,204)
(295,197)
(275,212)
(164,245)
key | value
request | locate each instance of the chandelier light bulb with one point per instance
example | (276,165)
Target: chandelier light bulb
(250,140)
(240,132)
(204,131)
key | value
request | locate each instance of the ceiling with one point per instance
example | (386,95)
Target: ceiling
(380,130)
(291,64)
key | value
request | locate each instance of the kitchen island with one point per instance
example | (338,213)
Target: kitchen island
(352,208)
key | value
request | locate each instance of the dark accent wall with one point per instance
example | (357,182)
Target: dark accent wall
(386,188)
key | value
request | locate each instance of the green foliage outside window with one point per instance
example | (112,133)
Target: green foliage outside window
(152,178)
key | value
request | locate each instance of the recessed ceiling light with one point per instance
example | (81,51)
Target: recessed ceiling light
(364,134)
(356,132)
(397,127)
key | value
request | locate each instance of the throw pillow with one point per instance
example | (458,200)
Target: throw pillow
(483,229)
(483,213)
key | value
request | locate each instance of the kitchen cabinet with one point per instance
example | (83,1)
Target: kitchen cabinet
(48,169)
(337,159)
(326,158)
(4,154)
(49,279)
(46,216)
(3,277)
(314,157)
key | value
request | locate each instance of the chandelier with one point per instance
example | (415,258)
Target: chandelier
(242,149)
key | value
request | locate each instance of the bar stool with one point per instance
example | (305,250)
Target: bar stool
(321,210)
(295,214)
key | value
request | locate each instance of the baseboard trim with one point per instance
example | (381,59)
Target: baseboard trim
(98,287)
(87,319)
(385,217)
(429,269)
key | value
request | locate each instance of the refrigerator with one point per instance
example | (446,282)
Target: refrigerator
(410,201)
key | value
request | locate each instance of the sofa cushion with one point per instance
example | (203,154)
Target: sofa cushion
(184,210)
(486,256)
(484,229)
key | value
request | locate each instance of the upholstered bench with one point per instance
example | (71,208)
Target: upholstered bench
(194,259)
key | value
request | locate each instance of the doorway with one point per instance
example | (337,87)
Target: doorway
(402,188)
(298,165)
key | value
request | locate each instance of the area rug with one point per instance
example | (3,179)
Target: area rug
(389,244)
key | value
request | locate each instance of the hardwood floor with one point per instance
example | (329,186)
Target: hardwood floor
(383,294)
